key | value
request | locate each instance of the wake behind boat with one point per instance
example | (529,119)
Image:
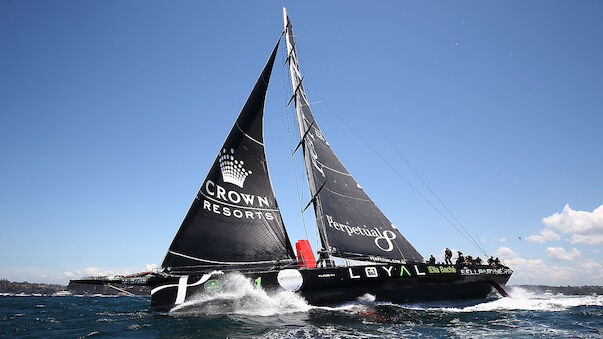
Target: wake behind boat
(234,225)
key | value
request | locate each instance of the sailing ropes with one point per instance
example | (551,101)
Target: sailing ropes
(350,224)
(234,219)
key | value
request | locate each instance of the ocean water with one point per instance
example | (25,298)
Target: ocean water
(248,312)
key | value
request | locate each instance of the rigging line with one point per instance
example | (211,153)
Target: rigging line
(397,172)
(398,152)
(422,180)
(126,292)
(289,134)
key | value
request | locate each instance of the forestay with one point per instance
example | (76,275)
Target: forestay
(350,224)
(234,219)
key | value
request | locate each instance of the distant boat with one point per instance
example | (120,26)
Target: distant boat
(61,293)
(235,225)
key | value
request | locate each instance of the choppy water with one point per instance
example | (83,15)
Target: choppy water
(249,312)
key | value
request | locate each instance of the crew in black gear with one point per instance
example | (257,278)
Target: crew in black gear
(460,260)
(448,256)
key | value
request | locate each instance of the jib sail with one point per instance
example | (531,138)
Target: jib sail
(350,224)
(234,219)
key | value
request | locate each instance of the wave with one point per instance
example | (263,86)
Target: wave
(524,300)
(239,296)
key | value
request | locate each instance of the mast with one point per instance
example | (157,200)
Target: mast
(301,104)
(351,225)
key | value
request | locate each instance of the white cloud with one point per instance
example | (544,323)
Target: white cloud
(559,253)
(591,265)
(505,252)
(151,267)
(591,239)
(537,271)
(544,236)
(585,227)
(503,239)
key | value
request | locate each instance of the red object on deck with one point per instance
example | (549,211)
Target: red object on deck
(305,256)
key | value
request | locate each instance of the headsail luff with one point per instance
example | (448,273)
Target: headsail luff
(350,224)
(234,219)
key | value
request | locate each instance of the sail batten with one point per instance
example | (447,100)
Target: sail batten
(350,224)
(235,219)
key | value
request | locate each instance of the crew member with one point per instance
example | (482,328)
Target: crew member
(460,260)
(448,256)
(432,260)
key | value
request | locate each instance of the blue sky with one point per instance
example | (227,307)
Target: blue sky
(112,112)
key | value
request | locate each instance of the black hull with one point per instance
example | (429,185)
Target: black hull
(322,286)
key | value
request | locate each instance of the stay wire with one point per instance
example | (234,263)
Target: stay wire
(397,172)
(466,234)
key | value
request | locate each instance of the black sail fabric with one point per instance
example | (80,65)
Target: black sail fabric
(234,219)
(350,224)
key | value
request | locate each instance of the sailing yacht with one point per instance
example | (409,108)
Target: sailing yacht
(234,225)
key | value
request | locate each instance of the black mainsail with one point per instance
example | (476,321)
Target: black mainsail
(349,222)
(234,219)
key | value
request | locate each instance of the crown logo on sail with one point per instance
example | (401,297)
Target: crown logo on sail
(232,169)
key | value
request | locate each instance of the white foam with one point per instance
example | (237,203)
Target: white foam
(239,296)
(524,300)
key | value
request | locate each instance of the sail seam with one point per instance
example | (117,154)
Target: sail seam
(238,206)
(225,262)
(334,170)
(245,134)
(347,196)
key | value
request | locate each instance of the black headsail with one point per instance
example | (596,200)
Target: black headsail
(234,219)
(350,224)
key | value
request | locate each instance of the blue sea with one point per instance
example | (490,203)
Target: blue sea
(253,313)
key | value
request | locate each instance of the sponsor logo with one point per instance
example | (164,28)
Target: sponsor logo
(212,286)
(134,281)
(441,269)
(231,203)
(326,275)
(232,169)
(371,272)
(479,271)
(233,197)
(383,240)
(387,260)
(290,280)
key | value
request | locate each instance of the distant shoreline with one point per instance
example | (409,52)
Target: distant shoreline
(25,287)
(12,287)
